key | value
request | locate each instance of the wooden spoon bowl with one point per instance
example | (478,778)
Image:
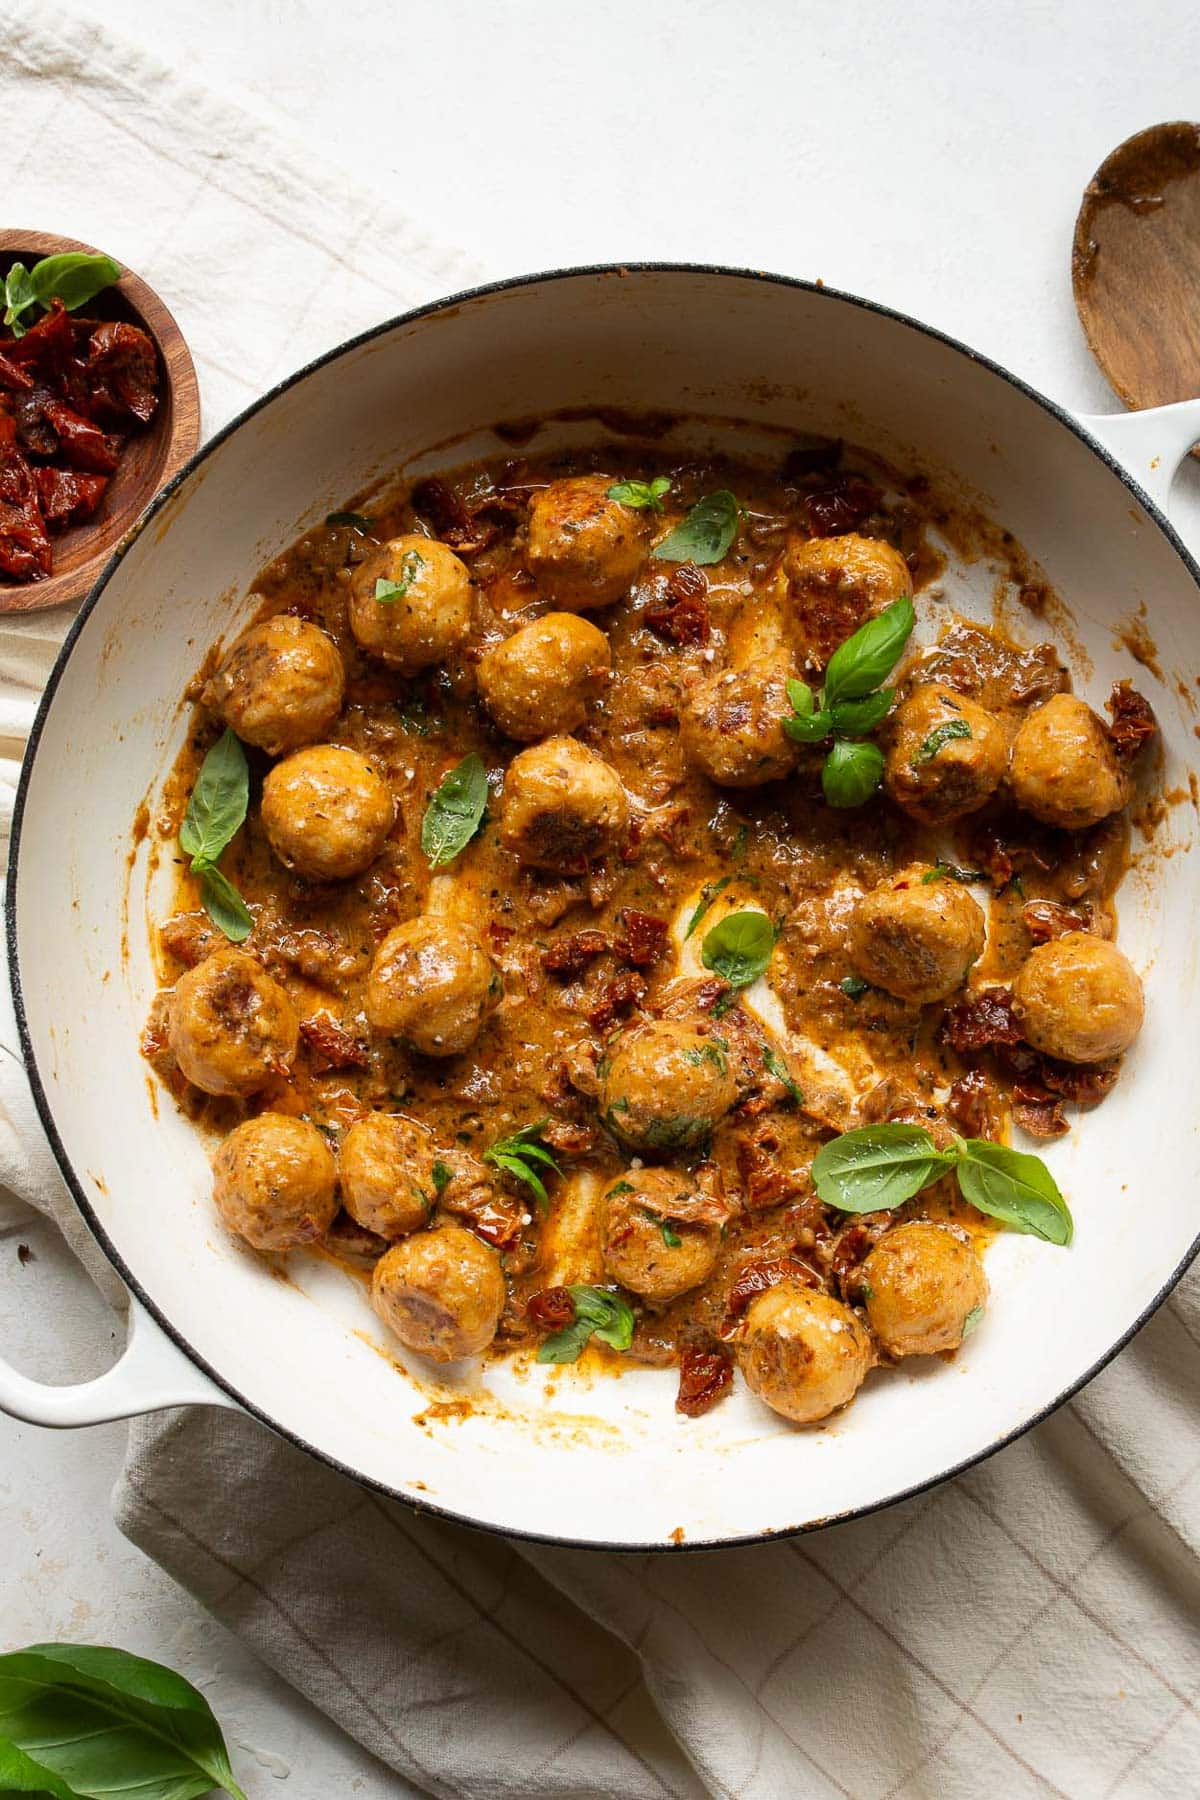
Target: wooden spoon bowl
(150,456)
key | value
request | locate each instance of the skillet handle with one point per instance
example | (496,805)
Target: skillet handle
(1151,445)
(152,1374)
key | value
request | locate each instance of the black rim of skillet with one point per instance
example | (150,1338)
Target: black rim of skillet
(404,1495)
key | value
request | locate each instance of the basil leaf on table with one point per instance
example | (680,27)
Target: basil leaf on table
(216,810)
(705,535)
(942,734)
(74,277)
(455,811)
(877,1166)
(19,1774)
(642,496)
(1013,1186)
(599,1312)
(851,773)
(111,1725)
(739,948)
(867,658)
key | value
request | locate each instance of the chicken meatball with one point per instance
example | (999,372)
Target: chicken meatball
(582,548)
(274,1182)
(538,682)
(665,1084)
(441,1292)
(391,1174)
(433,984)
(281,685)
(562,807)
(924,1289)
(947,755)
(837,584)
(916,939)
(231,1028)
(326,812)
(411,604)
(661,1233)
(802,1352)
(1064,769)
(1078,998)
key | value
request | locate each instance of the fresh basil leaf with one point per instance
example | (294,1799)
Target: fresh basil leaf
(867,658)
(521,1155)
(224,905)
(778,1068)
(708,894)
(803,700)
(411,564)
(567,1345)
(944,871)
(455,811)
(941,734)
(1013,1186)
(113,1725)
(642,496)
(609,1315)
(670,1236)
(854,718)
(217,807)
(739,948)
(621,1187)
(851,773)
(74,277)
(442,1177)
(355,521)
(854,987)
(809,728)
(877,1166)
(705,535)
(972,1321)
(18,297)
(19,1774)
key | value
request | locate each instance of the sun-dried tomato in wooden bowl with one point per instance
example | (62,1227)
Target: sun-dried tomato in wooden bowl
(98,410)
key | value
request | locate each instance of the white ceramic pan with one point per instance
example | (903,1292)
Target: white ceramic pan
(589,1460)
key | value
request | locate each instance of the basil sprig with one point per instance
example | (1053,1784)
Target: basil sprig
(708,894)
(411,564)
(941,734)
(74,277)
(599,1312)
(739,948)
(79,1720)
(215,814)
(522,1156)
(851,703)
(881,1166)
(705,535)
(775,1065)
(455,811)
(642,496)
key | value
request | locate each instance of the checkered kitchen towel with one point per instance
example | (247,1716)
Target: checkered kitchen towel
(1027,1629)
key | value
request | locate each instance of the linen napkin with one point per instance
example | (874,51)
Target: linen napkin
(1028,1629)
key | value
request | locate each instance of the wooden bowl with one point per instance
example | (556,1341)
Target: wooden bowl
(150,457)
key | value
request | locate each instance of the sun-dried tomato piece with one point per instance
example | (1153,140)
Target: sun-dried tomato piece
(643,940)
(1133,721)
(122,368)
(1038,1113)
(65,495)
(330,1045)
(24,546)
(570,1137)
(755,1279)
(497,1220)
(83,444)
(1046,919)
(551,1309)
(620,995)
(765,1180)
(971,1104)
(569,956)
(680,612)
(12,376)
(705,1376)
(987,1018)
(842,506)
(48,345)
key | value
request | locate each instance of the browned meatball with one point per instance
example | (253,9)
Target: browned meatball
(441,1292)
(916,939)
(539,681)
(274,1182)
(802,1352)
(1078,998)
(661,1233)
(1064,769)
(326,812)
(280,686)
(924,1289)
(732,726)
(433,984)
(391,1174)
(837,584)
(562,807)
(231,1027)
(665,1084)
(411,603)
(933,775)
(583,548)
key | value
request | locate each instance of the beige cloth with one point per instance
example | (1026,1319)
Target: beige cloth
(1028,1629)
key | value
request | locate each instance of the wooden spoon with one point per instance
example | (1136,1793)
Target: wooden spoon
(1135,266)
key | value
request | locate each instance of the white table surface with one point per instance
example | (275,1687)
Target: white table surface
(930,156)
